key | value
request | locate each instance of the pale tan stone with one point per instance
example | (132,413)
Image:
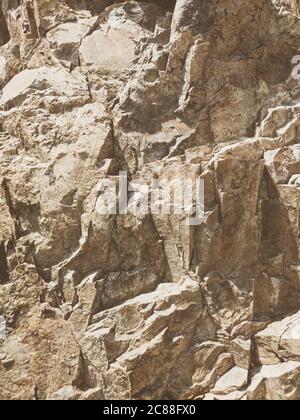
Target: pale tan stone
(232,381)
(276,382)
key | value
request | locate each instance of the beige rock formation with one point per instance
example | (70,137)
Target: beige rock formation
(109,306)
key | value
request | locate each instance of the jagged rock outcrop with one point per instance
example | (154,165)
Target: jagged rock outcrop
(112,306)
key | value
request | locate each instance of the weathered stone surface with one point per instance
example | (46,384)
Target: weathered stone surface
(232,381)
(65,39)
(129,349)
(241,350)
(276,382)
(10,63)
(42,345)
(149,306)
(47,82)
(280,341)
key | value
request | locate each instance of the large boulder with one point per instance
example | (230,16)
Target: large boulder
(129,349)
(49,83)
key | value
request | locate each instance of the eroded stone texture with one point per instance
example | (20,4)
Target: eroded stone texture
(97,306)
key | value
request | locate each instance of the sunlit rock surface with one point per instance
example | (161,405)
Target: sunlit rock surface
(97,306)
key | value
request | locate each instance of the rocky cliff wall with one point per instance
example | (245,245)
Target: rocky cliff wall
(96,306)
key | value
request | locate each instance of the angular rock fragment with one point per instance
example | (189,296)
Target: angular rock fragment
(280,341)
(276,382)
(145,334)
(232,381)
(65,39)
(241,351)
(45,81)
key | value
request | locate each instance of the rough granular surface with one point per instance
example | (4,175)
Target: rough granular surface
(100,305)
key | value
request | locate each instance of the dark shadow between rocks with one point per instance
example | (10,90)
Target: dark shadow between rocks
(4,33)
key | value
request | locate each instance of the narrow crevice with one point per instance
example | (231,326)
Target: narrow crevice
(32,22)
(4,271)
(4,33)
(19,233)
(36,393)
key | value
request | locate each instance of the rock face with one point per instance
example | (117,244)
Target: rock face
(146,306)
